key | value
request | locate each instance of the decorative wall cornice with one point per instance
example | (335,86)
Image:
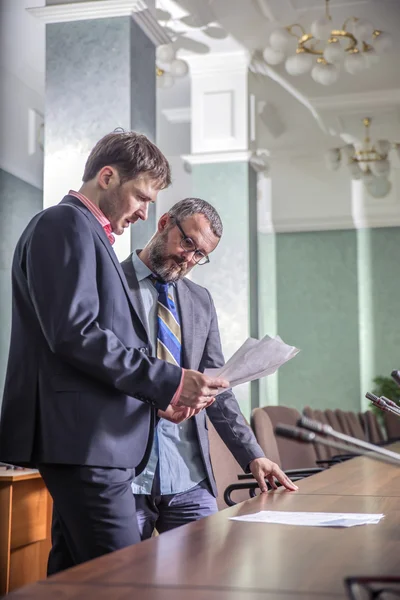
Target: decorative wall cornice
(104,9)
(219,62)
(217,157)
(358,101)
(80,11)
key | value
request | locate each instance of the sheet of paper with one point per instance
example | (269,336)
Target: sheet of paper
(311,519)
(254,359)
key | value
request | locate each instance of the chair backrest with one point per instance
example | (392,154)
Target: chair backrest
(392,426)
(372,429)
(225,468)
(293,455)
(264,432)
(322,452)
(343,421)
(333,420)
(351,424)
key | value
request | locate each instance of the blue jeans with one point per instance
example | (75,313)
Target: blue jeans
(173,510)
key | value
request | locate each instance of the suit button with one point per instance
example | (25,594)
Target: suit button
(144,350)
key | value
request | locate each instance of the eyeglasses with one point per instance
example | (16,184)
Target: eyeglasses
(188,245)
(373,588)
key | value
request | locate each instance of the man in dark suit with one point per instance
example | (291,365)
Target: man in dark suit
(178,485)
(82,391)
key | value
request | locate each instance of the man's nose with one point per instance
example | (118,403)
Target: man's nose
(189,255)
(143,212)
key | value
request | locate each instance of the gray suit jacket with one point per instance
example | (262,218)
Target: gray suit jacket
(201,349)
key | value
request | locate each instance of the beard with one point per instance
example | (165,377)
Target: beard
(110,205)
(160,262)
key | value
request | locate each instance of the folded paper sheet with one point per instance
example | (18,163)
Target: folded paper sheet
(255,359)
(311,519)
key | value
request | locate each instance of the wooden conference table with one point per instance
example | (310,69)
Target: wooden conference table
(219,559)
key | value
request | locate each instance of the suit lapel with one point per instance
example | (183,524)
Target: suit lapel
(103,237)
(134,289)
(185,304)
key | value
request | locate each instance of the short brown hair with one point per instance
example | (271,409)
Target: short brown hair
(131,154)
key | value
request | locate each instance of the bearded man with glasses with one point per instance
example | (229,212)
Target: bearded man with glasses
(177,485)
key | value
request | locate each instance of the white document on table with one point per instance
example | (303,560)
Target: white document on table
(255,359)
(311,519)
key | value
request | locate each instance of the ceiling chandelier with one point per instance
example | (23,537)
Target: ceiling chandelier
(368,162)
(168,67)
(357,44)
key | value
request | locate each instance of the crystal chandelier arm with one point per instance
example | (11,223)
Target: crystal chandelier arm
(289,28)
(353,19)
(346,34)
(327,13)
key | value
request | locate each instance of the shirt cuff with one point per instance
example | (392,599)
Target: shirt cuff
(178,392)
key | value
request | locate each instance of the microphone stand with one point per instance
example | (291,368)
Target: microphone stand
(311,437)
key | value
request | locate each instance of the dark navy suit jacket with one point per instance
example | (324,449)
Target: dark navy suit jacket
(80,386)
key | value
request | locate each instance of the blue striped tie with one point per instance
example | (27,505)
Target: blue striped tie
(169,346)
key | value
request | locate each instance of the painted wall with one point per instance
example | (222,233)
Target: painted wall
(19,202)
(228,187)
(317,311)
(76,121)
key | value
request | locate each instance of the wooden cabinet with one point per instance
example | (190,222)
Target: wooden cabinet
(25,525)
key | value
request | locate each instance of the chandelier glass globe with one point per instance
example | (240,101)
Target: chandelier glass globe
(356,45)
(368,161)
(280,39)
(298,64)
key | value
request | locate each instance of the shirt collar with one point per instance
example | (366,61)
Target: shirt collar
(97,213)
(142,271)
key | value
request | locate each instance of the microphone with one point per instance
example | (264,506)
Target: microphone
(383,404)
(324,429)
(295,433)
(396,376)
(391,403)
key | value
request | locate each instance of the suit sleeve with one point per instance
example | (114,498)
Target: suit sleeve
(225,413)
(61,274)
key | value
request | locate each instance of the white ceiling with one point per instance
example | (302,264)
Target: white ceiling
(22,42)
(247,24)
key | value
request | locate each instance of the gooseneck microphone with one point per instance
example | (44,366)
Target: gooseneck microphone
(300,435)
(391,403)
(384,403)
(396,376)
(327,430)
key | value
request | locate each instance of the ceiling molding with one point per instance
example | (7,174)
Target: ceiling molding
(81,11)
(217,157)
(313,224)
(219,62)
(266,10)
(344,4)
(151,27)
(328,223)
(358,101)
(260,67)
(178,115)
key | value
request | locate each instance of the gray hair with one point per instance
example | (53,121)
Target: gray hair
(193,206)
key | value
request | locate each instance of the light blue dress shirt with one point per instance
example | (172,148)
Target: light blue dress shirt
(176,447)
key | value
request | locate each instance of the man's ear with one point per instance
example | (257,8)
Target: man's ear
(107,175)
(163,222)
